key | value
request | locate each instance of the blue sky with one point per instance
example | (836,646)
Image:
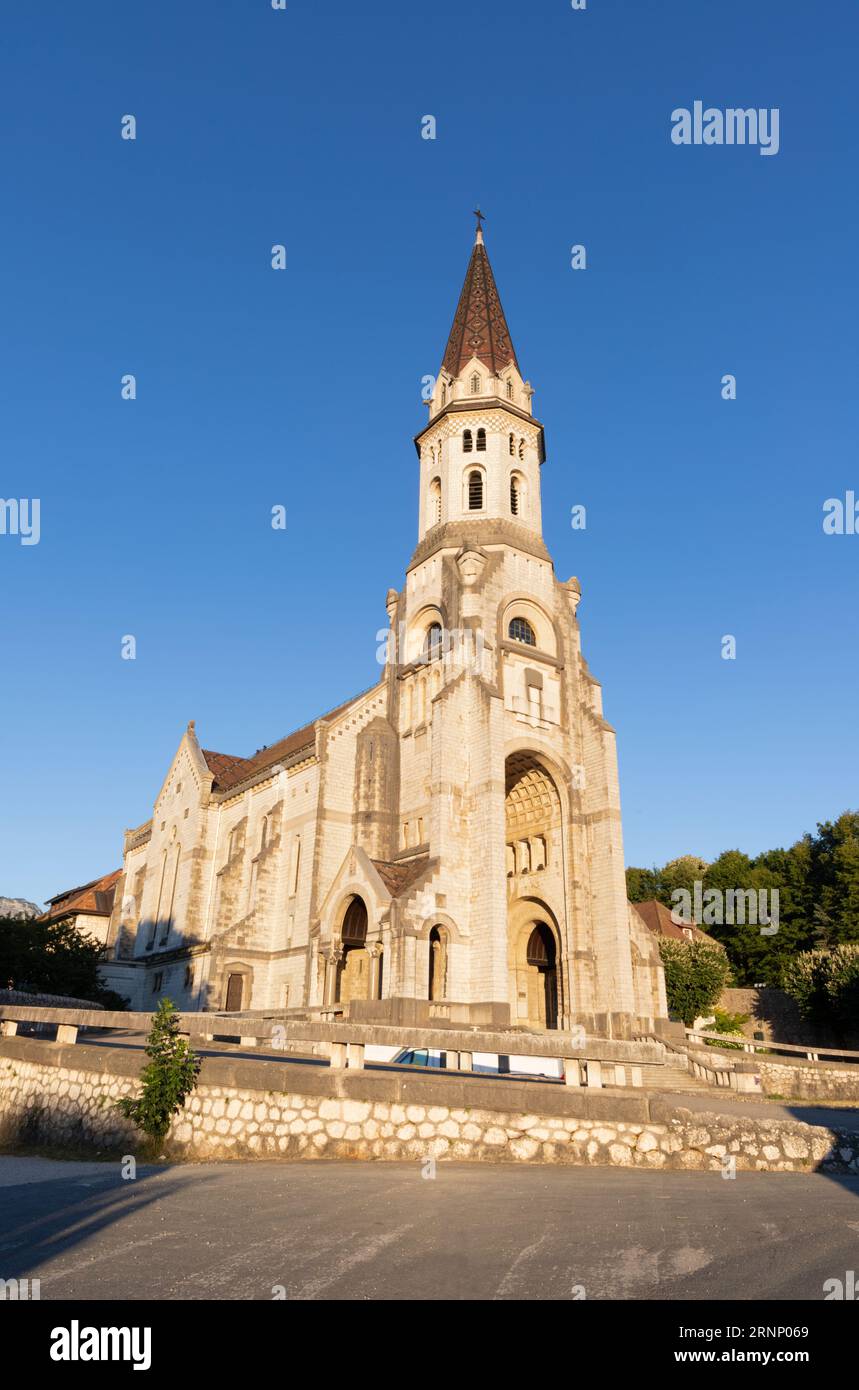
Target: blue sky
(302,388)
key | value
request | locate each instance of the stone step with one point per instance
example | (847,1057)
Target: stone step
(671,1078)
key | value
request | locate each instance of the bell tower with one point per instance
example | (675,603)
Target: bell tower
(482,449)
(507,814)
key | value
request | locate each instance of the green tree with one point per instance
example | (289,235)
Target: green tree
(52,959)
(167,1080)
(642,885)
(825,984)
(835,877)
(695,975)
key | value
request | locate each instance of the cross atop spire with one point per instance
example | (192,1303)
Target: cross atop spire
(479,327)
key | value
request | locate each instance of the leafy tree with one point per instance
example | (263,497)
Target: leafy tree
(642,885)
(825,984)
(817,879)
(684,873)
(168,1078)
(695,975)
(52,959)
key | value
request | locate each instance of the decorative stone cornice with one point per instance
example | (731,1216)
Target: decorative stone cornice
(477,535)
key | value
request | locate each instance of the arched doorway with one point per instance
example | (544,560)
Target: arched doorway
(537,892)
(541,959)
(353,975)
(437,964)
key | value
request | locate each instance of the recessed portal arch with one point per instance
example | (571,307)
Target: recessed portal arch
(533,820)
(353,971)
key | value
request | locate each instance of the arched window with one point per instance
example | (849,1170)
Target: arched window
(520,630)
(510,390)
(512,446)
(521,448)
(444,393)
(466,441)
(475,491)
(437,964)
(354,929)
(433,642)
(481,441)
(435,502)
(514,495)
(475,384)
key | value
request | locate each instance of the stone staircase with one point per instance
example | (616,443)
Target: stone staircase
(672,1077)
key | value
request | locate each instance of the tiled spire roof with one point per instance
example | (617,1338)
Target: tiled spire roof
(479,326)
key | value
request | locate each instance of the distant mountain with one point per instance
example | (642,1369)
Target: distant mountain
(18,907)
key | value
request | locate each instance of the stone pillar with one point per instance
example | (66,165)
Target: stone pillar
(594,1073)
(332,961)
(374,951)
(572,1072)
(67,1033)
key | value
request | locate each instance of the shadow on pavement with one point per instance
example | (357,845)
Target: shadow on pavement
(42,1220)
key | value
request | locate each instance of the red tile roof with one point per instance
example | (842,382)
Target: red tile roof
(397,876)
(229,771)
(657,917)
(90,899)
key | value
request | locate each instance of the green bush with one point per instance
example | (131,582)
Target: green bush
(168,1078)
(729,1024)
(695,975)
(825,985)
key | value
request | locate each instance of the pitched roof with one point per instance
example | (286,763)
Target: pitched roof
(657,917)
(230,770)
(90,899)
(479,326)
(398,876)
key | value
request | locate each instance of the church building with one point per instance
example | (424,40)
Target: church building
(447,845)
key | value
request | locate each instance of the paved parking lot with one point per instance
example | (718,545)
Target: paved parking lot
(336,1230)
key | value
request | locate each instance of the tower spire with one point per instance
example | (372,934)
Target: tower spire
(479,327)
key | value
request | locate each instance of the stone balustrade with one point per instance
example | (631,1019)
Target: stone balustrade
(585,1062)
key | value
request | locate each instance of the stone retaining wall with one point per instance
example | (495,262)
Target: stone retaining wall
(264,1110)
(796,1078)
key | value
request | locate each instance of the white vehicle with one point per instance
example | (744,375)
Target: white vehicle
(486,1063)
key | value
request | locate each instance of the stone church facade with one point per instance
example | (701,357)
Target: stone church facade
(446,845)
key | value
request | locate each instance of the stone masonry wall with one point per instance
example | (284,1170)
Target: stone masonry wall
(66,1098)
(797,1079)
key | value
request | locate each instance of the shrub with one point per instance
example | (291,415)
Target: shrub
(167,1079)
(825,984)
(695,975)
(729,1024)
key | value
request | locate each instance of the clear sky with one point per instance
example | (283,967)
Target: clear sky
(257,387)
